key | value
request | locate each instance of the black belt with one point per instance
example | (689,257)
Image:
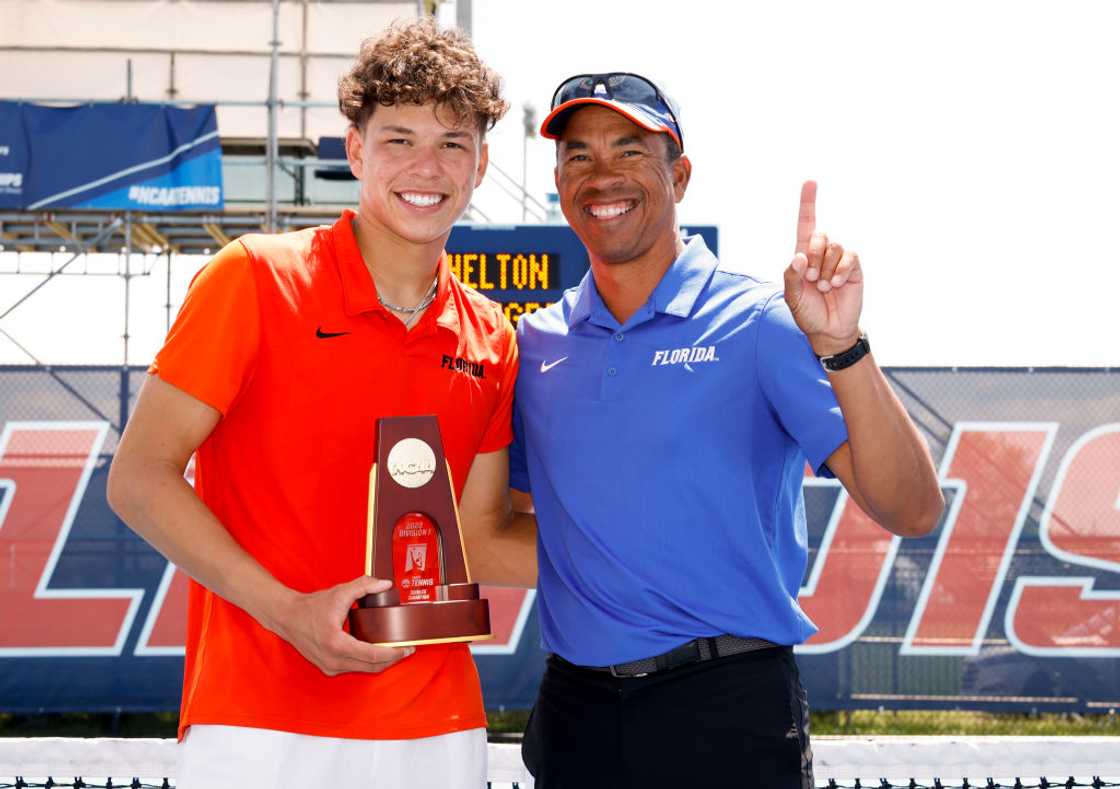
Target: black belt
(696,651)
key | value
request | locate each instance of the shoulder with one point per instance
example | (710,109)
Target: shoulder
(743,295)
(740,300)
(478,309)
(484,317)
(777,315)
(732,279)
(780,339)
(287,266)
(231,269)
(553,319)
(285,251)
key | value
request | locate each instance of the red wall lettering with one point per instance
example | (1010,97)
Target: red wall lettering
(1062,616)
(46,467)
(998,465)
(165,629)
(848,576)
(509,608)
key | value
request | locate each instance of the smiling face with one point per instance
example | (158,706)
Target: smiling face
(418,168)
(617,188)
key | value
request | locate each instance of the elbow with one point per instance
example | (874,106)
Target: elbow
(933,509)
(114,489)
(117,487)
(926,514)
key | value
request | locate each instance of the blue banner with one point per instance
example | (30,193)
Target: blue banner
(147,157)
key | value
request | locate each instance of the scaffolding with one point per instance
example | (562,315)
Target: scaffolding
(301,189)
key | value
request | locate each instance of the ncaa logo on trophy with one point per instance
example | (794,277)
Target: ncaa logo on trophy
(411,463)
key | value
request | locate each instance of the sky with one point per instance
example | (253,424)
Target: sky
(966,151)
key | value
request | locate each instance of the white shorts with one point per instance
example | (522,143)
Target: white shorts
(235,757)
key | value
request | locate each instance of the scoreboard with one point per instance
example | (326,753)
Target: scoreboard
(526,267)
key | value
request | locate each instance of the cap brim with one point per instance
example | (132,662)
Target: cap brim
(553,126)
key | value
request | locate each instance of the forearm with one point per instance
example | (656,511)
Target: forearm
(159,505)
(891,464)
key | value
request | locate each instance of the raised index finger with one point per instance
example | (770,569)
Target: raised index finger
(806,217)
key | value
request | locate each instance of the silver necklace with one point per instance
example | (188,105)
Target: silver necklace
(425,302)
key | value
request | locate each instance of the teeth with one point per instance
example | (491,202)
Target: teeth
(610,211)
(422,200)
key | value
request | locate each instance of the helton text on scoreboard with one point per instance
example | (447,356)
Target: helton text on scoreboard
(526,267)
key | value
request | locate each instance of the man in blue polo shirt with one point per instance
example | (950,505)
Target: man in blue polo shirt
(666,409)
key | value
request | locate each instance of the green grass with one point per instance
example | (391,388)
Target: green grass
(868,722)
(512,722)
(89,724)
(911,722)
(506,721)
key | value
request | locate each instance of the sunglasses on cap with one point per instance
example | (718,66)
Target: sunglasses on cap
(633,95)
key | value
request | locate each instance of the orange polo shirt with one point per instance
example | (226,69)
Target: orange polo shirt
(285,337)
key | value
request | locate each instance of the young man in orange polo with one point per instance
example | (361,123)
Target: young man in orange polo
(286,351)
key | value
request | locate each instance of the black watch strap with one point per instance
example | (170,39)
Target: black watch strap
(845,359)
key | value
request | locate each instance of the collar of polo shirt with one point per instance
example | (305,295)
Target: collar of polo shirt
(360,294)
(675,294)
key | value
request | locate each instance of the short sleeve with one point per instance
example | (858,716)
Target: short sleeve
(500,432)
(797,387)
(212,346)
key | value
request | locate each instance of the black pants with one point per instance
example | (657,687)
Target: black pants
(740,721)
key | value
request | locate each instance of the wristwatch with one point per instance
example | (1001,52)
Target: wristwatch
(845,359)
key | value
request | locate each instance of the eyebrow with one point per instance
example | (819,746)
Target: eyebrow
(621,142)
(451,134)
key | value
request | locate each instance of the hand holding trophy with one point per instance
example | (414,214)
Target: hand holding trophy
(413,536)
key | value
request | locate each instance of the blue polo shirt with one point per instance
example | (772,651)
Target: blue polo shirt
(665,457)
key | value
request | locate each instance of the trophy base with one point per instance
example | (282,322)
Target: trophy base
(456,615)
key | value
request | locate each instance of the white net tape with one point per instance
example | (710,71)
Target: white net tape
(901,761)
(848,757)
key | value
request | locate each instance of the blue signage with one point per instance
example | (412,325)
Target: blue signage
(147,157)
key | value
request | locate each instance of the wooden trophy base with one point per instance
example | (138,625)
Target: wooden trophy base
(456,614)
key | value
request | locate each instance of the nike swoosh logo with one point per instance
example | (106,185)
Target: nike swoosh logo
(326,335)
(546,367)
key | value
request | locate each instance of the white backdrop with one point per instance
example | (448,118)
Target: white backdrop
(967,150)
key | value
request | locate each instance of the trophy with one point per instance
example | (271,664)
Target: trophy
(414,538)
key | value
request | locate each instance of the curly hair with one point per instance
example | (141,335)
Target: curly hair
(417,63)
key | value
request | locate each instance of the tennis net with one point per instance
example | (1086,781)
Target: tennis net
(840,763)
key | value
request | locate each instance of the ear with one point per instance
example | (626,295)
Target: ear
(483,161)
(354,151)
(682,174)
